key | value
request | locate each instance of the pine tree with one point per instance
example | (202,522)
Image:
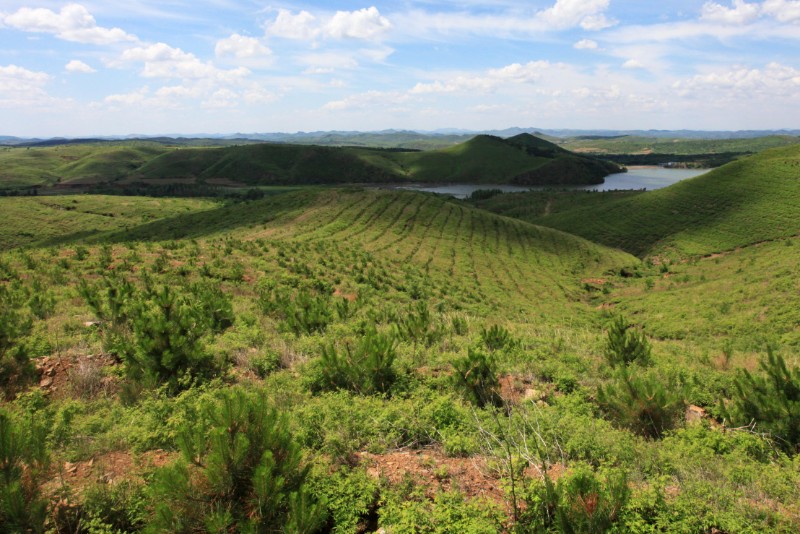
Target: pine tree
(626,345)
(771,400)
(241,472)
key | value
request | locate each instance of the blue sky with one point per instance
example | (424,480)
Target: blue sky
(219,66)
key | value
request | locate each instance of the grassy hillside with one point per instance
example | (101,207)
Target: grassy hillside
(744,202)
(522,160)
(484,159)
(409,358)
(39,221)
(87,163)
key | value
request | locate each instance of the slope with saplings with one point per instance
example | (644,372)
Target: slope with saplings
(744,202)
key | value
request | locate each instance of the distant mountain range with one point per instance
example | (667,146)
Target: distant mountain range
(393,137)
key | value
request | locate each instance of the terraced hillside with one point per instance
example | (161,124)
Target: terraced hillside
(744,202)
(413,357)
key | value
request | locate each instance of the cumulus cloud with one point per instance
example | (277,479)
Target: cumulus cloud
(740,13)
(21,87)
(244,51)
(773,80)
(586,44)
(782,10)
(303,26)
(363,24)
(72,23)
(163,61)
(77,66)
(589,14)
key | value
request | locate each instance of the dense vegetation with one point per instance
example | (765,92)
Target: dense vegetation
(343,360)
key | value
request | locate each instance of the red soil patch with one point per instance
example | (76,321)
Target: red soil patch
(431,469)
(79,374)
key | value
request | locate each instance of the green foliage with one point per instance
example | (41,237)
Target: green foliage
(626,345)
(15,325)
(241,471)
(23,466)
(581,501)
(645,403)
(419,325)
(496,337)
(409,510)
(303,313)
(476,377)
(348,495)
(367,368)
(158,330)
(769,401)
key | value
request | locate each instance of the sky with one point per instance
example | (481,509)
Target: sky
(220,66)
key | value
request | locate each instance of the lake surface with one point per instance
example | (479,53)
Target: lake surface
(637,178)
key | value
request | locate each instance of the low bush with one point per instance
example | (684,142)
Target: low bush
(581,501)
(241,471)
(769,401)
(476,377)
(366,368)
(23,467)
(645,403)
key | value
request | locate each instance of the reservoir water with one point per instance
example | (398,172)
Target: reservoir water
(648,178)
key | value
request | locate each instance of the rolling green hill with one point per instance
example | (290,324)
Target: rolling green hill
(521,160)
(372,322)
(744,202)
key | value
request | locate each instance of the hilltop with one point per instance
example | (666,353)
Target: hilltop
(523,159)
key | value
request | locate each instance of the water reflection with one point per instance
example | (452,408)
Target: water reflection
(648,178)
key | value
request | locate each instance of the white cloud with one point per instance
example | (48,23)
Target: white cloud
(487,82)
(222,98)
(244,51)
(585,44)
(163,61)
(633,64)
(368,100)
(570,13)
(774,80)
(72,23)
(303,26)
(365,23)
(128,99)
(782,10)
(740,13)
(78,67)
(21,88)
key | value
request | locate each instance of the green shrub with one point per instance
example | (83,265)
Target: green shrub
(476,376)
(23,467)
(581,501)
(626,345)
(15,324)
(770,401)
(241,471)
(418,326)
(496,337)
(645,403)
(158,331)
(367,368)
